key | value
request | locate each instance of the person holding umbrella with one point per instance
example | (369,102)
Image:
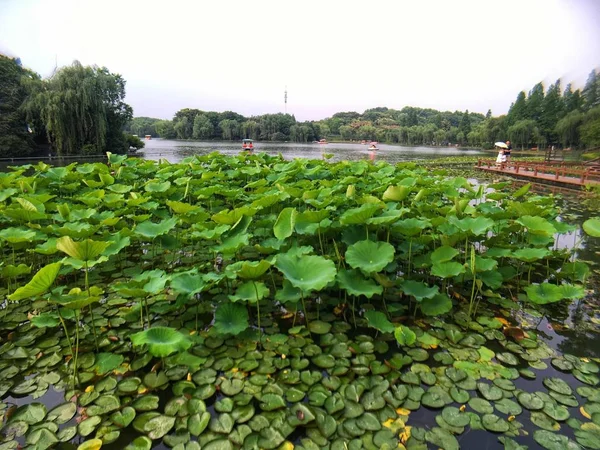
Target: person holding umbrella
(502,153)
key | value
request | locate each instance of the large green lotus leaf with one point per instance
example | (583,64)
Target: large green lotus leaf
(396,193)
(151,230)
(85,250)
(250,291)
(161,341)
(41,438)
(577,271)
(592,227)
(571,292)
(554,441)
(442,439)
(379,321)
(369,256)
(319,327)
(78,299)
(447,269)
(40,283)
(117,242)
(232,243)
(189,282)
(537,225)
(288,293)
(17,235)
(404,335)
(306,272)
(544,293)
(359,215)
(250,269)
(418,289)
(439,304)
(285,223)
(356,284)
(443,254)
(231,318)
(530,254)
(232,217)
(412,226)
(154,186)
(12,271)
(388,217)
(477,226)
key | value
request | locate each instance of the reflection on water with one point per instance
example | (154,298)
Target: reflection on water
(175,151)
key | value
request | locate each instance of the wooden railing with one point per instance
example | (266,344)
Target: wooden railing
(535,169)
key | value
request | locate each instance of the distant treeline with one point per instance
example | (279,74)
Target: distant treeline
(569,118)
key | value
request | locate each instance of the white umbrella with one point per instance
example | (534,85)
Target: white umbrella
(501,145)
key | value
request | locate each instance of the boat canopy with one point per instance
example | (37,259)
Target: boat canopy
(247,140)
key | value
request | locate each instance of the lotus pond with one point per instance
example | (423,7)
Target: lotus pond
(247,302)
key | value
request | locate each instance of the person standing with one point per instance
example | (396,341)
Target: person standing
(507,151)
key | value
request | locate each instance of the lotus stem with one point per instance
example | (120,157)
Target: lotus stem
(409,257)
(320,240)
(353,313)
(76,347)
(305,311)
(258,311)
(64,325)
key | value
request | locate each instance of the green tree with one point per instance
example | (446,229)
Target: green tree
(552,111)
(567,128)
(230,129)
(518,110)
(82,106)
(591,91)
(203,127)
(590,130)
(572,100)
(535,102)
(165,129)
(15,139)
(465,124)
(523,132)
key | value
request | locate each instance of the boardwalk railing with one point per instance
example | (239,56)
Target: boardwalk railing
(535,169)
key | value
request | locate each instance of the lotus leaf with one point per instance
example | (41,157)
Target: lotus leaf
(442,439)
(355,283)
(494,423)
(592,227)
(369,256)
(285,223)
(87,426)
(543,421)
(306,272)
(439,304)
(418,290)
(39,284)
(404,335)
(379,321)
(455,417)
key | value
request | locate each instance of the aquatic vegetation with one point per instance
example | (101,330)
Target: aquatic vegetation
(251,302)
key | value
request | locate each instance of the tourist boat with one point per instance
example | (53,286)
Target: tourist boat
(247,144)
(373,146)
(323,141)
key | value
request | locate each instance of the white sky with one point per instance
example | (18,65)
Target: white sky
(332,55)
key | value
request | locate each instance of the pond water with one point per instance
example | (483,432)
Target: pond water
(175,151)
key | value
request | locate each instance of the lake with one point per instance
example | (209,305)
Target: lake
(175,151)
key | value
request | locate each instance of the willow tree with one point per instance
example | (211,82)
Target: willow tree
(83,110)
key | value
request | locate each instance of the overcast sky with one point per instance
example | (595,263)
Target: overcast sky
(332,55)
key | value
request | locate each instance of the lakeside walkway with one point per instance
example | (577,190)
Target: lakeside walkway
(559,174)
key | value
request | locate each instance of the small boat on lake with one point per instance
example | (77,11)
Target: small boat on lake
(247,144)
(373,146)
(323,141)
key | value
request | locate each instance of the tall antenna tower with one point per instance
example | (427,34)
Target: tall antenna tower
(285,99)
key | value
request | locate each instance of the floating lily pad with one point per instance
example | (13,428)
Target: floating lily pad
(494,423)
(455,416)
(554,441)
(442,439)
(482,406)
(530,401)
(558,385)
(543,421)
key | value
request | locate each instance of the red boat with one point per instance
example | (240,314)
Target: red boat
(247,144)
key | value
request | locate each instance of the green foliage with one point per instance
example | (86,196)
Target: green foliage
(161,341)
